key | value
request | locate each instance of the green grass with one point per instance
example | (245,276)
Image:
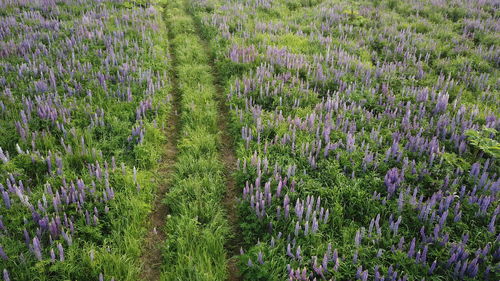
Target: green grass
(197,227)
(116,241)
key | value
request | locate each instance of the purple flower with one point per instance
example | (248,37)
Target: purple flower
(37,249)
(357,238)
(3,255)
(324,264)
(335,258)
(26,237)
(364,275)
(6,199)
(474,171)
(297,254)
(61,252)
(41,86)
(400,201)
(491,225)
(433,267)
(442,220)
(392,180)
(350,142)
(379,253)
(315,225)
(358,272)
(52,255)
(442,102)
(327,213)
(6,275)
(411,250)
(297,229)
(4,156)
(289,251)
(423,257)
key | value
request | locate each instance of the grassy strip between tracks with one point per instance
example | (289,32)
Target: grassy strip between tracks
(197,227)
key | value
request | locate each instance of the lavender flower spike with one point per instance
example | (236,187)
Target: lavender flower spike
(6,275)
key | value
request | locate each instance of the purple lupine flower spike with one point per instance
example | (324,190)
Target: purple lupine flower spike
(37,249)
(411,250)
(6,275)
(61,252)
(392,180)
(3,255)
(52,255)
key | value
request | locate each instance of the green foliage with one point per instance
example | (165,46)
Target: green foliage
(197,226)
(92,126)
(484,140)
(363,46)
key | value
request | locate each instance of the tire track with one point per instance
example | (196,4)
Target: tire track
(152,257)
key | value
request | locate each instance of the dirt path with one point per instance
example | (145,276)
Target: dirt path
(152,257)
(228,157)
(230,200)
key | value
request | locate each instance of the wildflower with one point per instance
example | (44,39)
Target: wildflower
(61,252)
(37,250)
(3,255)
(392,180)
(6,275)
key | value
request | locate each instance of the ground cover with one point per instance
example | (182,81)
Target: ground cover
(368,138)
(84,98)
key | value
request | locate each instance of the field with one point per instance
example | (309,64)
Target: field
(249,140)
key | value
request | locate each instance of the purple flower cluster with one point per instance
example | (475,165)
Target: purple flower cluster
(380,105)
(242,55)
(75,83)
